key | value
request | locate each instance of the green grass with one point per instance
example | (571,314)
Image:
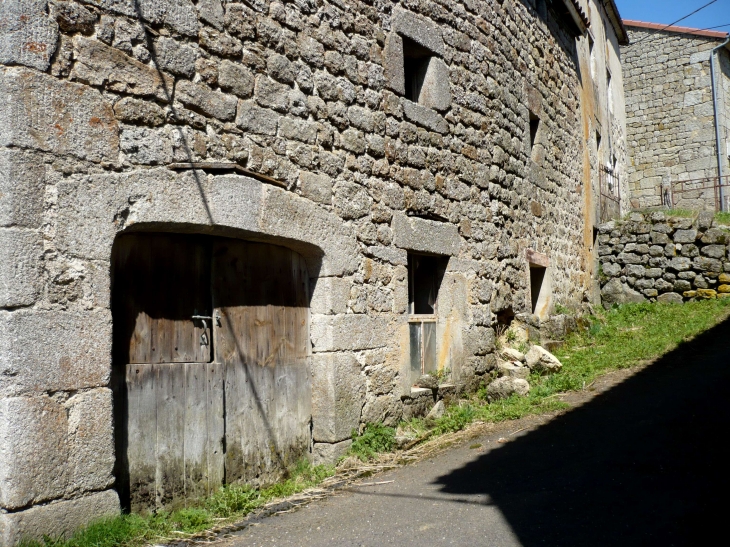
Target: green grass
(723,218)
(375,439)
(228,503)
(682,213)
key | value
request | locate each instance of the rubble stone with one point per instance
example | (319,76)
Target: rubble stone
(504,387)
(102,65)
(539,359)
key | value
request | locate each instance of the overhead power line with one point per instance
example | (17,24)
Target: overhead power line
(677,21)
(718,26)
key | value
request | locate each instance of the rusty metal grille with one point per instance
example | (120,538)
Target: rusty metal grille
(699,194)
(609,203)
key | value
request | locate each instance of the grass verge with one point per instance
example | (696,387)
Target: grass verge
(619,338)
(228,504)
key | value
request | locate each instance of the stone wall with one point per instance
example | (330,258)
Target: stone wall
(669,112)
(101,97)
(662,259)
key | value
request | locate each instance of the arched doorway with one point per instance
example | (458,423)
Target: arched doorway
(211,376)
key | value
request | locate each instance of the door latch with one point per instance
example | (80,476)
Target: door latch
(205,318)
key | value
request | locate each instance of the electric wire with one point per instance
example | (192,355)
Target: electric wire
(677,21)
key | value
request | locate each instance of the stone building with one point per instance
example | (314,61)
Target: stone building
(671,130)
(233,232)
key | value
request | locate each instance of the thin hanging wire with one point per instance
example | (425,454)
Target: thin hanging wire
(677,21)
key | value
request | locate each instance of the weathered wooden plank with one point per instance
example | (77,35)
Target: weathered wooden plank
(141,436)
(170,384)
(215,425)
(226,166)
(196,442)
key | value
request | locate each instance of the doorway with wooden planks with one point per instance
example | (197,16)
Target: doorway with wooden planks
(211,365)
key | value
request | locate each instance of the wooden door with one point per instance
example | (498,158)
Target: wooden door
(172,407)
(260,292)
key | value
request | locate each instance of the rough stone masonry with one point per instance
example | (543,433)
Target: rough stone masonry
(122,116)
(664,259)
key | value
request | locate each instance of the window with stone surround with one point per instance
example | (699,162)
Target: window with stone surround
(414,64)
(416,59)
(540,282)
(425,274)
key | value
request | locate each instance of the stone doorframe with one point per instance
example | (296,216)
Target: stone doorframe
(94,209)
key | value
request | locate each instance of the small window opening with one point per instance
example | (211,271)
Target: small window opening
(534,128)
(609,90)
(505,318)
(415,65)
(598,141)
(537,276)
(425,274)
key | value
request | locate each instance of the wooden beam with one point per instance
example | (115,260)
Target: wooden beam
(224,166)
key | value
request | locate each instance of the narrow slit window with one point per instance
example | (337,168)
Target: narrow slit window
(537,277)
(534,128)
(609,90)
(592,53)
(415,64)
(598,141)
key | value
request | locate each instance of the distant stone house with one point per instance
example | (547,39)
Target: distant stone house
(670,115)
(233,232)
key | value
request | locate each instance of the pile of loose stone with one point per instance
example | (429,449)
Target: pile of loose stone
(514,368)
(663,259)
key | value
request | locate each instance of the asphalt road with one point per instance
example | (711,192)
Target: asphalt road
(643,462)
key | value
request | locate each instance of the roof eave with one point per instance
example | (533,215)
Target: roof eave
(618,24)
(577,14)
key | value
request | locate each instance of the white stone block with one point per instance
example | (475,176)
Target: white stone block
(33,451)
(55,116)
(338,395)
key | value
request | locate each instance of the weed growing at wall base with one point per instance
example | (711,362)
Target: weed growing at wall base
(619,338)
(229,503)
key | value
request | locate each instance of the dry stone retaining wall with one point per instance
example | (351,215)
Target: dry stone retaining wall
(657,258)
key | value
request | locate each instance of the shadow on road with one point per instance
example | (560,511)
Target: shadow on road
(645,463)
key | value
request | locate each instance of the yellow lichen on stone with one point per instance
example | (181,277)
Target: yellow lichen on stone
(724,278)
(689,294)
(708,294)
(723,289)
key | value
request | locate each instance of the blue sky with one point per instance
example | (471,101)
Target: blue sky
(668,11)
